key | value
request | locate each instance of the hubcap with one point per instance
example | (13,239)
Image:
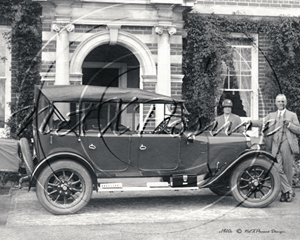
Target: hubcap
(255,182)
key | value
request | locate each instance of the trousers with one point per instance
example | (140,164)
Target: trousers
(285,159)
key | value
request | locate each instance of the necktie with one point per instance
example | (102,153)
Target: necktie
(279,116)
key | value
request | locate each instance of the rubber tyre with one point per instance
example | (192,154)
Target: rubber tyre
(47,184)
(27,156)
(241,185)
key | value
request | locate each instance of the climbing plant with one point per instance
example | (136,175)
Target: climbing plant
(204,50)
(284,57)
(207,45)
(24,41)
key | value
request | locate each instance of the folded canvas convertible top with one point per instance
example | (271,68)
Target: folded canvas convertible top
(9,158)
(76,93)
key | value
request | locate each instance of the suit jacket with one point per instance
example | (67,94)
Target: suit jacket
(291,130)
(235,119)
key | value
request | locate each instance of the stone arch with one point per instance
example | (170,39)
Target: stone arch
(136,46)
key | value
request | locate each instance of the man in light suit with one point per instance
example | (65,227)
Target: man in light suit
(283,144)
(228,116)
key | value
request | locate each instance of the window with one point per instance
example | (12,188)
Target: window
(5,80)
(170,119)
(110,116)
(240,84)
(2,102)
(65,116)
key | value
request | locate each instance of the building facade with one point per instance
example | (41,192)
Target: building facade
(249,57)
(138,44)
(128,43)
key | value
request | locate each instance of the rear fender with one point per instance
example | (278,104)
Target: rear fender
(251,153)
(56,157)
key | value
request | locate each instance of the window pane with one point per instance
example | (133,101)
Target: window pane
(246,66)
(245,82)
(246,102)
(237,67)
(233,82)
(246,54)
(129,117)
(237,54)
(226,82)
(65,116)
(149,117)
(2,67)
(2,102)
(155,114)
(3,48)
(98,116)
(110,117)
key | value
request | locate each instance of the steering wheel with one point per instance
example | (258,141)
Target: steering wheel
(162,126)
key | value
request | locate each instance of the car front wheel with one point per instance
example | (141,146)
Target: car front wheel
(255,183)
(64,187)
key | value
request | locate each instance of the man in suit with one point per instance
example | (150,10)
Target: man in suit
(283,144)
(228,116)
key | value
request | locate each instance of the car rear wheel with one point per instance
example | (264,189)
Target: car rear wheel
(255,183)
(27,156)
(64,187)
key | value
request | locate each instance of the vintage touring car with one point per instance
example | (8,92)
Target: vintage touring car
(90,138)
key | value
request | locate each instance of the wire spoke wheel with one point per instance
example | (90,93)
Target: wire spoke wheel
(64,187)
(255,183)
(258,185)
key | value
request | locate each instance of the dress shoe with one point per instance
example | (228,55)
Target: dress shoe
(289,196)
(283,197)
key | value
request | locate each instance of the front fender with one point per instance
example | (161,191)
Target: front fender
(250,153)
(63,155)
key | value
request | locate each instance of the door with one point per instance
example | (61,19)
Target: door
(109,152)
(105,144)
(157,151)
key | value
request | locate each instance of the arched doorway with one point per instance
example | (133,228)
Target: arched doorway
(127,40)
(111,66)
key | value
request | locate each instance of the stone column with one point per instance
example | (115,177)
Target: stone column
(163,85)
(62,53)
(62,71)
(164,59)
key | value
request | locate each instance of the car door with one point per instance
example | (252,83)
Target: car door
(109,152)
(107,147)
(156,151)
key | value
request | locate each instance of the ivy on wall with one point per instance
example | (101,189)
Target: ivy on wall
(284,56)
(208,44)
(204,50)
(24,41)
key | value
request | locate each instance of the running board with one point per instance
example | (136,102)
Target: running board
(117,187)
